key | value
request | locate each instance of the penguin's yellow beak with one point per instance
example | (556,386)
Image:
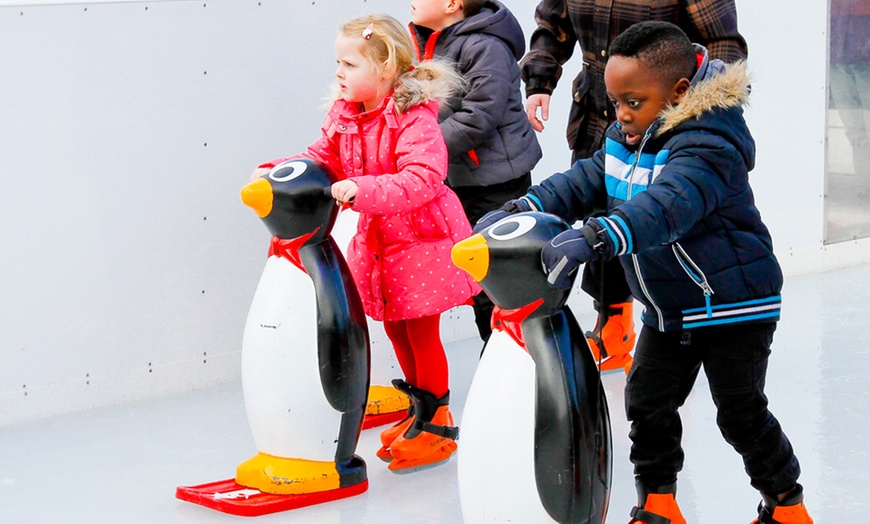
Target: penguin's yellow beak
(258,196)
(472,256)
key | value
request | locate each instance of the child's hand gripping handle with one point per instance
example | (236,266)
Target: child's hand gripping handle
(344,192)
(343,205)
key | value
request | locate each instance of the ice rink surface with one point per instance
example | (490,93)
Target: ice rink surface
(122,464)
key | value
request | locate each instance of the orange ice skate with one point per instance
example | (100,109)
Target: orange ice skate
(393,432)
(657,506)
(430,440)
(611,344)
(790,510)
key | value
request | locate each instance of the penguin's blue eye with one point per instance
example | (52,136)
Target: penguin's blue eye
(286,171)
(512,227)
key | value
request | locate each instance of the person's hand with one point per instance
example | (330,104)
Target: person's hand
(260,171)
(510,207)
(344,191)
(563,255)
(532,105)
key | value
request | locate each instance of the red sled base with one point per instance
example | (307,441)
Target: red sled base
(228,497)
(373,421)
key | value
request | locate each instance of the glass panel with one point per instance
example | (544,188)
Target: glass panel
(847,214)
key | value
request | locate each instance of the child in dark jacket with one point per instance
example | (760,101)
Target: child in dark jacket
(491,145)
(673,182)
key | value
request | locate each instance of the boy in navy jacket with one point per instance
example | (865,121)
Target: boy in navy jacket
(491,145)
(673,183)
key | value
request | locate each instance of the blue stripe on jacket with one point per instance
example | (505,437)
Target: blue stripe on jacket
(761,309)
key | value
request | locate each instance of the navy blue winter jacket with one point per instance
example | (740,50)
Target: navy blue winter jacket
(682,216)
(489,138)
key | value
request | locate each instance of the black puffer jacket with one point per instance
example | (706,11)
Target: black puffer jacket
(489,139)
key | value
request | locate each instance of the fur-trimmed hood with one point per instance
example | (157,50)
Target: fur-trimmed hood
(416,89)
(714,86)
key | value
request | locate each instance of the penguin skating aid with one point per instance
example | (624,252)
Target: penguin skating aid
(537,377)
(305,357)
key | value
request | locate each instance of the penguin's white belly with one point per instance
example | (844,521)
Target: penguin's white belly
(287,409)
(496,457)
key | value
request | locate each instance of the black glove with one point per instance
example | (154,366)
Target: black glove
(511,207)
(569,249)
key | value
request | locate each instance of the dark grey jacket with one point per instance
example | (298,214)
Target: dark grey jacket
(489,139)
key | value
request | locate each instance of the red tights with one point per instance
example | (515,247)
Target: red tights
(417,343)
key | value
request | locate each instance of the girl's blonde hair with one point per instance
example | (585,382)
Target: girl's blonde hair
(386,42)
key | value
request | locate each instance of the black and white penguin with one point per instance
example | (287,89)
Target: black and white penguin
(536,410)
(305,351)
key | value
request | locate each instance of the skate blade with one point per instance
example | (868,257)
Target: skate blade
(402,466)
(384,454)
(616,364)
(406,466)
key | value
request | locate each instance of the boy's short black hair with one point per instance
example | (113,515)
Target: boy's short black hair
(661,45)
(472,7)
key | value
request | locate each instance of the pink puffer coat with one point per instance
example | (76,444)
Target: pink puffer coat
(409,220)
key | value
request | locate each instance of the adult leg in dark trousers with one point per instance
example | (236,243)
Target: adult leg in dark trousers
(478,201)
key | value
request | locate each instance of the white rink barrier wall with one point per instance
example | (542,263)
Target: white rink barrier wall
(127,260)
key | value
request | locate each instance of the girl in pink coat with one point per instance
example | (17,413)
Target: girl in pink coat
(382,137)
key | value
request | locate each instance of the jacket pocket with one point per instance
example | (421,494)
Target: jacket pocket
(427,222)
(468,161)
(580,86)
(695,273)
(472,154)
(577,114)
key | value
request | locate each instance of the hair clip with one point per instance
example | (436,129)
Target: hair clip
(367,32)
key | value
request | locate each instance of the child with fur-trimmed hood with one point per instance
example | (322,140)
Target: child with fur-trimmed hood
(682,215)
(672,182)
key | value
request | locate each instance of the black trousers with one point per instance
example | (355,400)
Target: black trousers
(476,202)
(734,359)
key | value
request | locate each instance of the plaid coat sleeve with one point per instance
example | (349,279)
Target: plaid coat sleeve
(715,25)
(551,45)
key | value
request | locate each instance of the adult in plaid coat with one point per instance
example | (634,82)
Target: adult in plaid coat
(593,24)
